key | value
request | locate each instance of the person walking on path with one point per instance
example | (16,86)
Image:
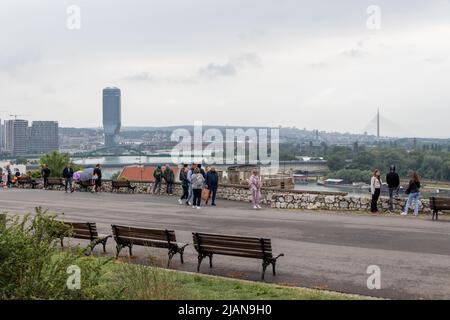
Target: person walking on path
(212,183)
(189,178)
(157,174)
(169,178)
(184,184)
(255,184)
(393,181)
(8,176)
(68,177)
(98,181)
(197,182)
(413,193)
(45,172)
(375,188)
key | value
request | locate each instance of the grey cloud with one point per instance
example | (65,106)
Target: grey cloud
(143,76)
(214,70)
(231,67)
(354,53)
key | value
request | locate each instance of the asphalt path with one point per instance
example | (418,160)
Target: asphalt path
(326,250)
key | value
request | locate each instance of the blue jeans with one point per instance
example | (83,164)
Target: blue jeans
(191,194)
(413,196)
(68,184)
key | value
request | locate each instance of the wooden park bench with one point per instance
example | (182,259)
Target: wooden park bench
(128,236)
(88,231)
(55,182)
(247,247)
(22,181)
(439,204)
(117,184)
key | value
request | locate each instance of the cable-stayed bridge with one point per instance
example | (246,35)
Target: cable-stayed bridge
(382,126)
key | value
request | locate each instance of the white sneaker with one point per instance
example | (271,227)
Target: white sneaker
(259,207)
(193,207)
(180,201)
(404,214)
(198,207)
(255,207)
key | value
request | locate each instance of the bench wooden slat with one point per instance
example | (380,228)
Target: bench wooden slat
(236,244)
(142,233)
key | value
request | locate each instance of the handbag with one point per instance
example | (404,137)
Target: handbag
(205,194)
(408,190)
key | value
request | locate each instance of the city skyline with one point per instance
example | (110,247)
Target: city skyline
(314,66)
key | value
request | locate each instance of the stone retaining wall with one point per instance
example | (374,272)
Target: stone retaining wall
(280,199)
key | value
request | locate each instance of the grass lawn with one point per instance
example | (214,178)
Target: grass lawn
(141,282)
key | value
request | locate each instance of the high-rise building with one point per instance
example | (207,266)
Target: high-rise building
(111,115)
(44,137)
(16,136)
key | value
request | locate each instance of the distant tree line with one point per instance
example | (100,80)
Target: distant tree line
(352,163)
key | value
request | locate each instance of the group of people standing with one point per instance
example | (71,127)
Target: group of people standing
(7,177)
(198,183)
(393,182)
(94,180)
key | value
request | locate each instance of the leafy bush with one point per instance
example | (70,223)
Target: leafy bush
(32,268)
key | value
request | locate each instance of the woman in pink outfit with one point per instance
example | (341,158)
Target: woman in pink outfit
(255,187)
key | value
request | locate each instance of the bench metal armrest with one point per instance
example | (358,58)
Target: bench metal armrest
(280,255)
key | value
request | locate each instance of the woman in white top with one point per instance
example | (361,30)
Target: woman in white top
(375,188)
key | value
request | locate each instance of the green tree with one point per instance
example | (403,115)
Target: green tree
(56,162)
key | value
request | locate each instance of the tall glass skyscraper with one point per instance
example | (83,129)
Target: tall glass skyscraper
(111,115)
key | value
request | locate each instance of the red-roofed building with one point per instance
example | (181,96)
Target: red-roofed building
(142,173)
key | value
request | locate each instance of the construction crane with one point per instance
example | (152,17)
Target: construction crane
(18,115)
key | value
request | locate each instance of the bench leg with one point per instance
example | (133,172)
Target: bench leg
(273,268)
(171,254)
(264,265)
(181,255)
(104,245)
(118,249)
(210,260)
(62,242)
(200,259)
(131,250)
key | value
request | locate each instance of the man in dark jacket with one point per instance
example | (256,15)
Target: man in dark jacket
(393,181)
(45,172)
(98,182)
(184,183)
(8,176)
(157,175)
(169,177)
(68,176)
(212,182)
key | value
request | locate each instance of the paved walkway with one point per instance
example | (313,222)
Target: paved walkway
(323,250)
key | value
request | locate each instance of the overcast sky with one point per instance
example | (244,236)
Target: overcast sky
(309,64)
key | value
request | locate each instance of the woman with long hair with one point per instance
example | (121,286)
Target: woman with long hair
(413,192)
(375,188)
